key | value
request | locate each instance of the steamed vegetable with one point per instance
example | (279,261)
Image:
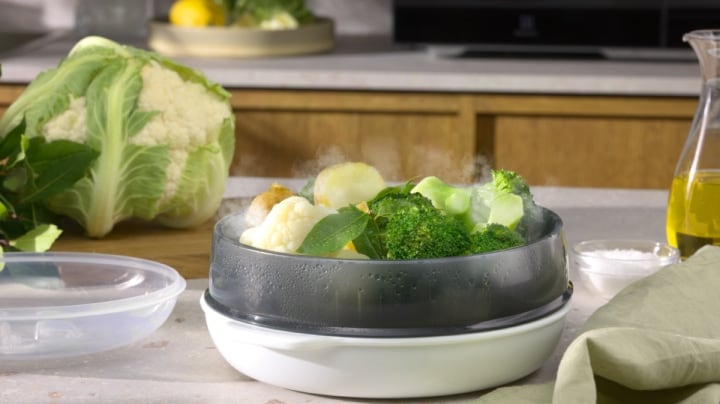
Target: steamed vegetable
(263,202)
(397,222)
(346,184)
(504,200)
(410,227)
(494,237)
(163,132)
(287,225)
(401,224)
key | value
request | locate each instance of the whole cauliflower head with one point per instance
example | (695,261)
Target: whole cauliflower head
(286,226)
(164,133)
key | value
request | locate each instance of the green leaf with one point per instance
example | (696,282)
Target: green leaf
(369,242)
(307,191)
(16,180)
(10,144)
(42,155)
(57,166)
(51,91)
(201,187)
(334,231)
(39,239)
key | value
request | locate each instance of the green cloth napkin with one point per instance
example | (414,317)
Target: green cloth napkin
(657,341)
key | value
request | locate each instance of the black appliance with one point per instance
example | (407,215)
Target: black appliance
(575,26)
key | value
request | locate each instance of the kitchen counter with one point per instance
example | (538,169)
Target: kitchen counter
(179,363)
(376,64)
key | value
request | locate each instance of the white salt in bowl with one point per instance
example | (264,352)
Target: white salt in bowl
(605,267)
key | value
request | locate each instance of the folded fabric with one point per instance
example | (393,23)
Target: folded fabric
(657,341)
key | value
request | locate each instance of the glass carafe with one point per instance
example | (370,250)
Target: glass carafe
(693,217)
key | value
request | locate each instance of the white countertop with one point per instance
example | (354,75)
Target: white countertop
(374,63)
(179,363)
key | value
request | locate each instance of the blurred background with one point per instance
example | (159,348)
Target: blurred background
(395,91)
(351,16)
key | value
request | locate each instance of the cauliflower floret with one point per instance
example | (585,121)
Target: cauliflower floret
(286,226)
(263,203)
(70,124)
(187,117)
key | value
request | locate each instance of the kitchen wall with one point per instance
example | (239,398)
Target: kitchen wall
(36,15)
(373,17)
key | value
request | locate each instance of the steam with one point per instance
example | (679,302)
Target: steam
(325,156)
(396,166)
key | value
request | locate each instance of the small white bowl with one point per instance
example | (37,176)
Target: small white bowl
(370,367)
(67,304)
(607,266)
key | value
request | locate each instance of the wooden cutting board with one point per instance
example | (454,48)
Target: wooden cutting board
(186,250)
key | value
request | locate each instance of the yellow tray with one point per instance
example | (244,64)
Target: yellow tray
(315,37)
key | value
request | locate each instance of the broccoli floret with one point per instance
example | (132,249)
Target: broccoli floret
(510,181)
(494,237)
(412,228)
(504,200)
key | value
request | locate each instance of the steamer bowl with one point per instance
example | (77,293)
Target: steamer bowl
(382,298)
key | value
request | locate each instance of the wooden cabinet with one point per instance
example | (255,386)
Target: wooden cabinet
(584,141)
(564,140)
(282,133)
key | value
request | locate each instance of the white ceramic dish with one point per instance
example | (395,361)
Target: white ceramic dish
(67,304)
(385,367)
(607,266)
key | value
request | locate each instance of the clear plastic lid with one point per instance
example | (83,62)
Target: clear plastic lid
(63,304)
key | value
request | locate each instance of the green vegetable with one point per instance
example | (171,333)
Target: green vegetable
(164,135)
(307,190)
(412,228)
(28,173)
(431,219)
(32,170)
(255,12)
(332,230)
(494,237)
(400,225)
(504,200)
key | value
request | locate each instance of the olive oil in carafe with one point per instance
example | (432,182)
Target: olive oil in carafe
(693,216)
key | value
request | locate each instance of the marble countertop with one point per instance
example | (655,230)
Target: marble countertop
(179,362)
(376,64)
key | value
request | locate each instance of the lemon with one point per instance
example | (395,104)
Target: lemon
(196,13)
